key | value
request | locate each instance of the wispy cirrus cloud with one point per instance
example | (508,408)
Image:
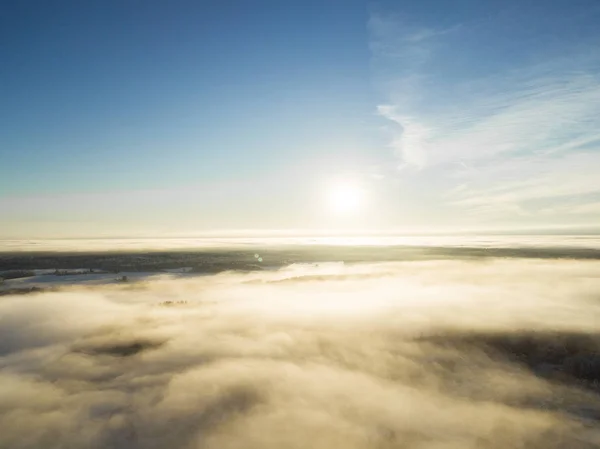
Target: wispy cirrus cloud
(506,143)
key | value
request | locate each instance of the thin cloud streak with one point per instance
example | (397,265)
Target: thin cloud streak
(503,141)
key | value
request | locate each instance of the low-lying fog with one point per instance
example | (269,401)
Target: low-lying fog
(422,354)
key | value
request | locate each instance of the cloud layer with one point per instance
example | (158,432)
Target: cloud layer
(432,354)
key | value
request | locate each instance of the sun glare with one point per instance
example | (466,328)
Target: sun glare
(344,198)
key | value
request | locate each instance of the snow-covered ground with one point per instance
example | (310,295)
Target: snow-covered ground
(48,278)
(178,270)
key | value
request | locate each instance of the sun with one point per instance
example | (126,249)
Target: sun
(344,197)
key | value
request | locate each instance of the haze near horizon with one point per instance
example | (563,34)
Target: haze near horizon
(157,119)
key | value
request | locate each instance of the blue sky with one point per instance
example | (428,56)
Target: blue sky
(171,118)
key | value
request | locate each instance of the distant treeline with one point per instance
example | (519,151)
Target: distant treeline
(16,274)
(135,262)
(217,261)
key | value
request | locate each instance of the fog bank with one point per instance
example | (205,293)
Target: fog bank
(418,354)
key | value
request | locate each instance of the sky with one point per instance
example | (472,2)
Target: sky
(154,118)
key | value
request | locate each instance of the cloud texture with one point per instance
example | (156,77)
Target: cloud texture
(430,354)
(499,137)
